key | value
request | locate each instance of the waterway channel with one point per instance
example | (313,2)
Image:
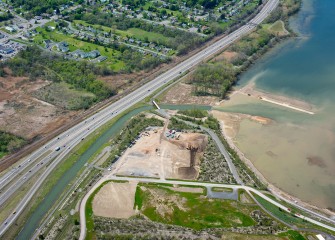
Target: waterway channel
(56,191)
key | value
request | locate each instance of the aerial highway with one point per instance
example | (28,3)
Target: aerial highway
(56,149)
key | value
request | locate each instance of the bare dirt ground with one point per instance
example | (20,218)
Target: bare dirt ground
(24,115)
(181,93)
(225,56)
(157,156)
(120,81)
(115,200)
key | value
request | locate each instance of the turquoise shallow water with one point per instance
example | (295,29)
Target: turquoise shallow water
(297,152)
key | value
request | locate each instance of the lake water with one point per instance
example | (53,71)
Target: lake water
(297,152)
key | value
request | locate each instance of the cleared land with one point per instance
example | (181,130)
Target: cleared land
(154,155)
(115,200)
(24,115)
(181,93)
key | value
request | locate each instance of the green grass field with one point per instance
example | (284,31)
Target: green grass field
(293,235)
(187,209)
(104,28)
(131,32)
(146,36)
(282,215)
(75,44)
(276,27)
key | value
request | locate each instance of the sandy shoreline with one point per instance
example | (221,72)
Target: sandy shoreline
(288,102)
(230,127)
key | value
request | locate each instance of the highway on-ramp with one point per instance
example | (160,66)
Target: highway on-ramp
(70,138)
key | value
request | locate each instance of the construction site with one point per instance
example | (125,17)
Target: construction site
(163,153)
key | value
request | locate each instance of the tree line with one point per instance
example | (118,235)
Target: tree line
(35,63)
(37,7)
(213,79)
(179,40)
(9,143)
(5,16)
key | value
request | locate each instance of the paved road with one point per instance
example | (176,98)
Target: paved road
(203,184)
(221,148)
(70,138)
(224,153)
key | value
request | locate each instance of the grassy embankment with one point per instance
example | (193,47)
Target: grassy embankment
(286,217)
(57,174)
(89,213)
(186,209)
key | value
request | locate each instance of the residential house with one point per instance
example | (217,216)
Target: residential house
(101,59)
(10,29)
(6,50)
(93,54)
(79,54)
(63,47)
(47,43)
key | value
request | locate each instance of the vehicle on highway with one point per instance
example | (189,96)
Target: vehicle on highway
(57,149)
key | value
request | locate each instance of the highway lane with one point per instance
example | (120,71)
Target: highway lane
(179,182)
(181,68)
(75,134)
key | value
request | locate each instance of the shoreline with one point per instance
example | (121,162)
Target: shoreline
(280,100)
(275,190)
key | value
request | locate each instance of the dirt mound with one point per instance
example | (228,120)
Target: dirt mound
(187,172)
(156,156)
(191,141)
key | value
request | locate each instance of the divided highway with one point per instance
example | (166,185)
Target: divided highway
(14,179)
